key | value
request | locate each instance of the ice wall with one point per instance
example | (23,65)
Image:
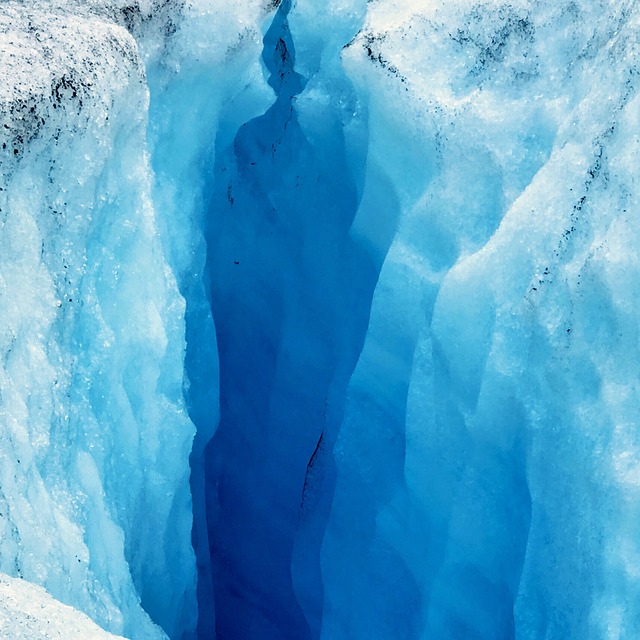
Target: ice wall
(95,438)
(485,466)
(110,118)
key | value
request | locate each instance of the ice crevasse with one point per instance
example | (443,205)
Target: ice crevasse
(319,321)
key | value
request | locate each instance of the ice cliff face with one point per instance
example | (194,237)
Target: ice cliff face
(319,320)
(92,331)
(489,425)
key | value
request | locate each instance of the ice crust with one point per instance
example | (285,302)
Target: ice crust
(319,320)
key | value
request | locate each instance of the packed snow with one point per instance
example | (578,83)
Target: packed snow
(28,612)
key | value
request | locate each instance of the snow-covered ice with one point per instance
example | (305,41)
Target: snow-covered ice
(320,320)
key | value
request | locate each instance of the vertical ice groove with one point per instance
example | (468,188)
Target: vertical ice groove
(290,291)
(205,85)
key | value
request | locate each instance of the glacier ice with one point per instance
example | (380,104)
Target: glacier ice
(483,428)
(318,320)
(94,493)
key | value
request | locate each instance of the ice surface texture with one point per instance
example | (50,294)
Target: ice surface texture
(320,320)
(95,438)
(487,463)
(28,612)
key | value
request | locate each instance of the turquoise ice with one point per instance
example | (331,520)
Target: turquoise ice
(319,321)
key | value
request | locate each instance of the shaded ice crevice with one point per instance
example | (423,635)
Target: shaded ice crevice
(290,294)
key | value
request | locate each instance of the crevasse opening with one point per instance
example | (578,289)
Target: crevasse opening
(277,307)
(296,211)
(290,293)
